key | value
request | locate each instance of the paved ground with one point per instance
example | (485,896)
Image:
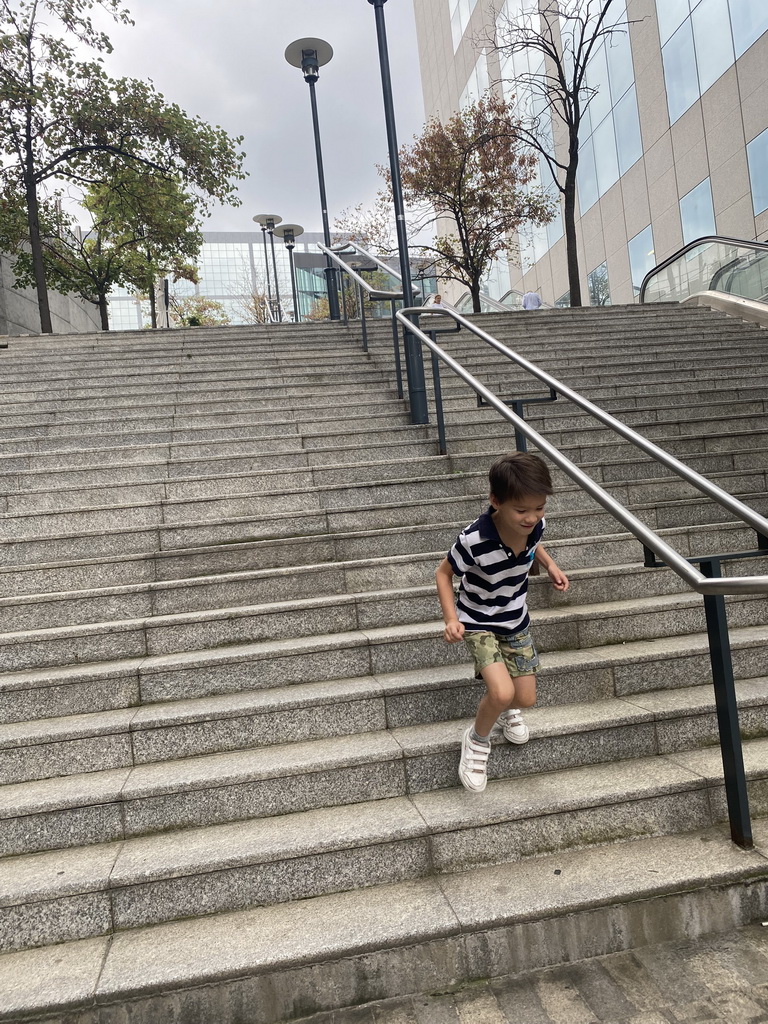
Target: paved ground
(719,979)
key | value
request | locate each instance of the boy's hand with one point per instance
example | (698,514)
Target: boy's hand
(454,631)
(558,578)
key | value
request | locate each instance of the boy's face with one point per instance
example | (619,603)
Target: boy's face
(520,515)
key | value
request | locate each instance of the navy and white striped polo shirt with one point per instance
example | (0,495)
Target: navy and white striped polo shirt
(494,581)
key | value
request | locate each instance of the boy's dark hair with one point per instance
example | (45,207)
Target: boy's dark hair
(516,475)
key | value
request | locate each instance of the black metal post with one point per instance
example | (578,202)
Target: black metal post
(333,298)
(342,289)
(414,362)
(266,263)
(274,267)
(362,317)
(441,442)
(727,711)
(396,342)
(521,441)
(296,316)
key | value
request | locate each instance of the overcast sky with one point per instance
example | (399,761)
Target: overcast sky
(224,61)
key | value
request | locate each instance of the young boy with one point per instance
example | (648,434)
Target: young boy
(493,557)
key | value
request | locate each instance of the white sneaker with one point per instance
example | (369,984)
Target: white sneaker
(514,728)
(473,765)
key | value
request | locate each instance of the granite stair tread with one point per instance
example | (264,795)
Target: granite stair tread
(330,929)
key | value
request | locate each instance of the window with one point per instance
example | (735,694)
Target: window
(749,19)
(460,12)
(627,122)
(696,212)
(757,156)
(564,301)
(606,160)
(671,15)
(680,73)
(712,38)
(477,82)
(597,282)
(641,256)
(587,176)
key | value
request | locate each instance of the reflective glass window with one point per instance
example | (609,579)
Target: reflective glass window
(671,15)
(680,74)
(619,55)
(586,176)
(641,256)
(696,212)
(749,19)
(606,159)
(597,283)
(712,38)
(627,122)
(597,80)
(564,301)
(555,227)
(757,155)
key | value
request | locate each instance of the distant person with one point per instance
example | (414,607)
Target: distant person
(532,300)
(438,301)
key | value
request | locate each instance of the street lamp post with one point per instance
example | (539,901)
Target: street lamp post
(266,259)
(268,222)
(289,233)
(310,55)
(414,363)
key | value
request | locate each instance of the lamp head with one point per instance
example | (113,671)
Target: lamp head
(309,55)
(267,221)
(289,233)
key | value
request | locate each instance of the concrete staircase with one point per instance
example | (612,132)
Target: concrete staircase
(230,725)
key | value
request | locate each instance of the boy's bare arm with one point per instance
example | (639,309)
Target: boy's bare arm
(556,575)
(454,630)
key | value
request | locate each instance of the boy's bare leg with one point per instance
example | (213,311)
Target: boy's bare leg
(502,692)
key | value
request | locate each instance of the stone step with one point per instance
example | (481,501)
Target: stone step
(87,891)
(616,669)
(30,490)
(258,782)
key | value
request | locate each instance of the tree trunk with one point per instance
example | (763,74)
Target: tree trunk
(38,265)
(104,311)
(571,252)
(474,291)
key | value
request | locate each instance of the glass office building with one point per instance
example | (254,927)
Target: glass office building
(233,267)
(674,144)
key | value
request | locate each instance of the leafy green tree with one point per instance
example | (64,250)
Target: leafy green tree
(63,120)
(473,174)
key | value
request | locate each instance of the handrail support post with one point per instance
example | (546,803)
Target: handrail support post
(727,711)
(441,441)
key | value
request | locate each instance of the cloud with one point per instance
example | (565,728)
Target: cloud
(225,63)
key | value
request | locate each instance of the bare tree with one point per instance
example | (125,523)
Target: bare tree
(544,56)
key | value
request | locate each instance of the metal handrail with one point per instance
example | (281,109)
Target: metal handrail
(704,240)
(697,580)
(376,294)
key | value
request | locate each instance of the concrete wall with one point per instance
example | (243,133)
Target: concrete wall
(19,313)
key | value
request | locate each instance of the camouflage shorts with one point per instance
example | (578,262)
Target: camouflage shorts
(516,650)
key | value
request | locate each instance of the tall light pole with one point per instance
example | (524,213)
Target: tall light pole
(289,233)
(310,55)
(414,363)
(266,258)
(268,222)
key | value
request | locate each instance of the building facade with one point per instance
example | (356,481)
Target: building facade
(674,145)
(234,267)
